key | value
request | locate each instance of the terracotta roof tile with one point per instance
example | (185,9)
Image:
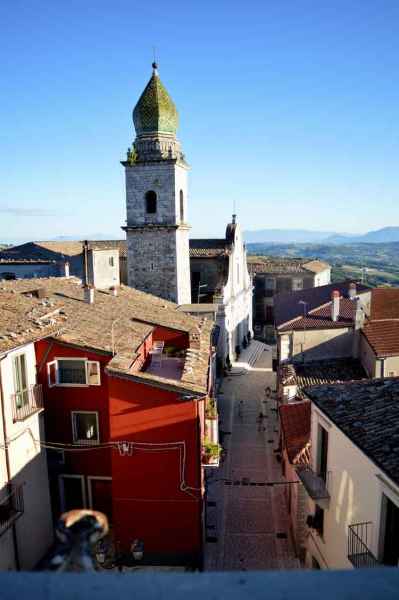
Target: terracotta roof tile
(385,303)
(383,337)
(132,315)
(320,318)
(295,424)
(208,248)
(287,306)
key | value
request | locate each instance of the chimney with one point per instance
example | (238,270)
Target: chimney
(85,263)
(88,293)
(335,305)
(352,290)
(114,290)
(66,269)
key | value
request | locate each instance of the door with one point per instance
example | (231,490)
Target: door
(391,534)
(100,495)
(72,492)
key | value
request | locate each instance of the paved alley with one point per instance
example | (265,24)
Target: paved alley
(247,523)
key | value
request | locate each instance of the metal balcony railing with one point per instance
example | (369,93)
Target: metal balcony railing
(27,402)
(359,538)
(11,506)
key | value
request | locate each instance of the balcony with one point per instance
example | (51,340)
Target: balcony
(359,538)
(11,506)
(316,486)
(27,402)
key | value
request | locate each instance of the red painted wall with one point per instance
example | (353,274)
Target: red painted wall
(146,486)
(60,401)
(171,337)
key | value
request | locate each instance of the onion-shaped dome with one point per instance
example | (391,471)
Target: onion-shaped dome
(155,111)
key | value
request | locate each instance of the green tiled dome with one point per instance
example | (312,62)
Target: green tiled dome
(155,111)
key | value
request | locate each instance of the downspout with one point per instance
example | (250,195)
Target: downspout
(8,470)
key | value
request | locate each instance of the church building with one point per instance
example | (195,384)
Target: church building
(204,277)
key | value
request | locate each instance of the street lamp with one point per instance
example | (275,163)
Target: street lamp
(305,310)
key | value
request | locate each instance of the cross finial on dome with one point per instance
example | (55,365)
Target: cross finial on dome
(155,68)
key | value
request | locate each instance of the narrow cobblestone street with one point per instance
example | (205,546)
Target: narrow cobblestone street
(247,523)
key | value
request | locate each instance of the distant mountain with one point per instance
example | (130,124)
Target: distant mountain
(379,236)
(293,236)
(303,236)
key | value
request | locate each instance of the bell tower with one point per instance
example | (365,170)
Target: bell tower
(156,228)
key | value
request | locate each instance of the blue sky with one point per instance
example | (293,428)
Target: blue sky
(288,108)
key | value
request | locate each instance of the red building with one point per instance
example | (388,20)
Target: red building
(126,381)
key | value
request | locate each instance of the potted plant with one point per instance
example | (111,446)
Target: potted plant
(211,409)
(211,452)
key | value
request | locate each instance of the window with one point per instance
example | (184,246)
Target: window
(319,520)
(390,532)
(322,453)
(181,206)
(20,381)
(270,283)
(151,202)
(85,427)
(111,261)
(72,492)
(297,284)
(73,371)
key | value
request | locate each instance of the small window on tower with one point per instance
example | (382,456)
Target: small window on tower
(181,206)
(151,202)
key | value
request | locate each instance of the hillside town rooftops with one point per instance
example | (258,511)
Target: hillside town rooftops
(383,337)
(367,412)
(295,423)
(288,306)
(55,250)
(281,266)
(60,311)
(320,318)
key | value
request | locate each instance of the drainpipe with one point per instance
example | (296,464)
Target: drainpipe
(8,470)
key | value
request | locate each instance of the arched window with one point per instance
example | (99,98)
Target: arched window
(181,206)
(151,202)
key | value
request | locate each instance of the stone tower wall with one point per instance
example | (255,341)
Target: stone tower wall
(158,247)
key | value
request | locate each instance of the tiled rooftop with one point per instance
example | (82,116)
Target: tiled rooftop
(269,264)
(287,306)
(322,372)
(295,423)
(383,337)
(208,248)
(51,250)
(320,318)
(368,413)
(132,314)
(385,303)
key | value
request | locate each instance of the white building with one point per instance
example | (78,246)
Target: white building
(26,530)
(353,484)
(220,280)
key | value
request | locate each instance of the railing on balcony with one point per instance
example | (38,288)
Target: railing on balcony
(27,402)
(359,538)
(11,506)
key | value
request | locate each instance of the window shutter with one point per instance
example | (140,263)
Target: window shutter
(52,373)
(93,372)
